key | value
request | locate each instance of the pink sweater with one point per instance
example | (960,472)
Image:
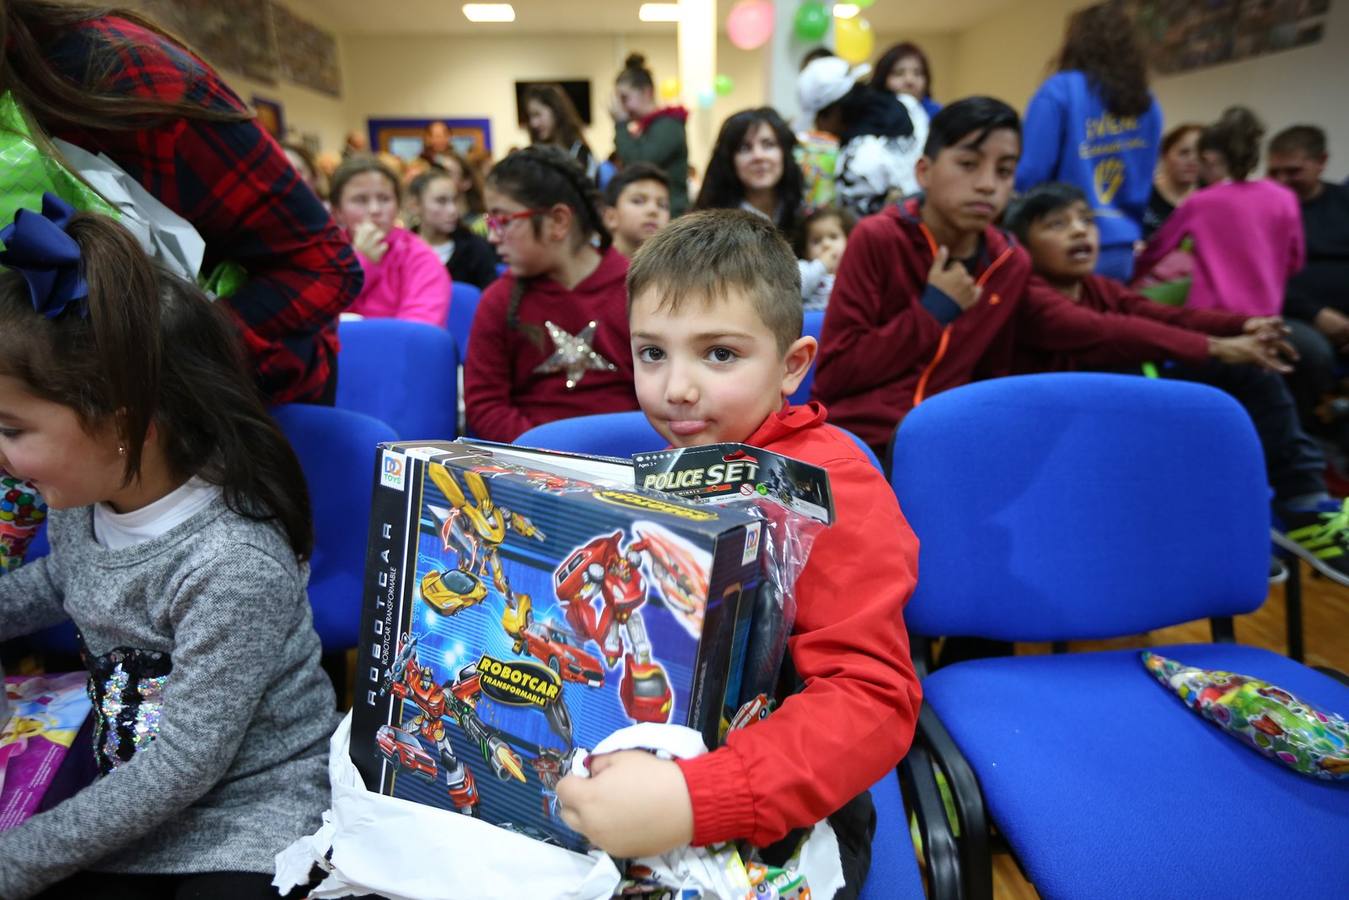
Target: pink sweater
(1247,242)
(409,282)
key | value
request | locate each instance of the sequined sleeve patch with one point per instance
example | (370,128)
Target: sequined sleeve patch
(127,690)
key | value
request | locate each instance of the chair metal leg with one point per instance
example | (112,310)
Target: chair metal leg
(923,797)
(1292,602)
(976,862)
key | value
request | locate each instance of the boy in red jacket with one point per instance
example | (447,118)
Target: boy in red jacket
(715,319)
(1232,352)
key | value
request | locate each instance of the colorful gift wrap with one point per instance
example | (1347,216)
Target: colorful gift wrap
(1265,717)
(22,512)
(46,712)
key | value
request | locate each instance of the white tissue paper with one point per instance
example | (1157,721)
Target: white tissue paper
(370,843)
(161,232)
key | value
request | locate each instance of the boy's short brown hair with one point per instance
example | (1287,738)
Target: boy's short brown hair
(704,254)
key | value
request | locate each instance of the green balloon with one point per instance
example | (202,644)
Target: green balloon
(863,4)
(812,20)
(723,85)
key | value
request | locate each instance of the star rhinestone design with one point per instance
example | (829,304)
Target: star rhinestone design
(574,354)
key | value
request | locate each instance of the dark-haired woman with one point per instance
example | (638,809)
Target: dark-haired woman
(1095,125)
(112,82)
(1247,235)
(753,168)
(646,132)
(553,119)
(904,71)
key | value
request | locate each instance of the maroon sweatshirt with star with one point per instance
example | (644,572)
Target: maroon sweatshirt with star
(514,374)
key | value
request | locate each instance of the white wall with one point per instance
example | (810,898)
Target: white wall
(1306,86)
(450,76)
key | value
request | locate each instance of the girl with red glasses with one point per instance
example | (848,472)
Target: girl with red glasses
(550,337)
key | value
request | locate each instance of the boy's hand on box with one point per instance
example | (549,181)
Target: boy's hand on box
(953,280)
(633,804)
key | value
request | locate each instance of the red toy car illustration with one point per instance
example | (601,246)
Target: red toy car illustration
(402,749)
(558,650)
(645,690)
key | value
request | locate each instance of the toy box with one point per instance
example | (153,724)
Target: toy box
(516,610)
(46,714)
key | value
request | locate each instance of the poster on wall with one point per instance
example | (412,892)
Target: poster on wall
(308,53)
(1180,35)
(237,36)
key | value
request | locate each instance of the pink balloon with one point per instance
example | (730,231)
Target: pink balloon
(750,23)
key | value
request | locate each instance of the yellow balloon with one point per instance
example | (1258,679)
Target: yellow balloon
(853,39)
(669,88)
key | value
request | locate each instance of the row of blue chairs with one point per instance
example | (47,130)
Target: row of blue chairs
(1049,508)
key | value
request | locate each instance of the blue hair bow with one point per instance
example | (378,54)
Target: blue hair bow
(38,247)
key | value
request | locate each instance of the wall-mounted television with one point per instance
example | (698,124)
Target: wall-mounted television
(577,91)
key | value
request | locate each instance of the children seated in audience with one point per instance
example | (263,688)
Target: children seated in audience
(1095,124)
(636,206)
(930,294)
(823,237)
(717,348)
(753,168)
(180,532)
(468,191)
(1246,235)
(435,209)
(404,278)
(1230,351)
(550,338)
(1316,301)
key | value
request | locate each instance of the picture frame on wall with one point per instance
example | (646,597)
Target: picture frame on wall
(271,117)
(471,138)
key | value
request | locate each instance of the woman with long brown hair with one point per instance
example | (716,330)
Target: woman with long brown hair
(112,81)
(553,119)
(1094,124)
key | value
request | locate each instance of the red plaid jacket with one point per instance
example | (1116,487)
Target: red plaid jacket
(233,182)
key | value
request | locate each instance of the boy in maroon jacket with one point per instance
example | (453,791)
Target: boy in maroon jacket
(930,295)
(715,318)
(1232,352)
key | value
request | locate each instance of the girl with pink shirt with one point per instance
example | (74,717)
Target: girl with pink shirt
(1247,235)
(404,278)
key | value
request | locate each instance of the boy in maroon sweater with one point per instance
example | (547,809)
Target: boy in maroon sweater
(930,295)
(1234,353)
(715,317)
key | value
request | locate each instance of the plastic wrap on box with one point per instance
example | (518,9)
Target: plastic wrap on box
(46,713)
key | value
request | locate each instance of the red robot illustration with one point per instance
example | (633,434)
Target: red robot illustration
(456,702)
(611,573)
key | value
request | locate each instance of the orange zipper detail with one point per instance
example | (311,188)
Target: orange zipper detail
(920,392)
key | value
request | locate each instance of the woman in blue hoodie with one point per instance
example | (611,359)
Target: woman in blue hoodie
(1094,124)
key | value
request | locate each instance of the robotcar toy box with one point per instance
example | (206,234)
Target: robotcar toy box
(516,610)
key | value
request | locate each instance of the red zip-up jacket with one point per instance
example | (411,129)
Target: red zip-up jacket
(855,718)
(890,339)
(1153,331)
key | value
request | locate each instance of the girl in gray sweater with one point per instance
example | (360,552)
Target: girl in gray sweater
(179,530)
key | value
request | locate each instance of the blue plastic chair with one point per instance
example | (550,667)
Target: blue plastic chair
(894,865)
(463,304)
(1055,507)
(502,269)
(336,448)
(404,373)
(812,323)
(608,434)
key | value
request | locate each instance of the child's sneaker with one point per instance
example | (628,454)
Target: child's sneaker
(1321,537)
